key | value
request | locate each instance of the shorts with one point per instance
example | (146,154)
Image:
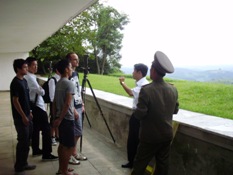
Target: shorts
(66,133)
(78,125)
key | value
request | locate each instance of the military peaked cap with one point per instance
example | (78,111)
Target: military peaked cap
(162,64)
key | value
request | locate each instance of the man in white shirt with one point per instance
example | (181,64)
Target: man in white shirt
(139,74)
(40,117)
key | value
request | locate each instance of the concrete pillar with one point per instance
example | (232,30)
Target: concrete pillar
(6,68)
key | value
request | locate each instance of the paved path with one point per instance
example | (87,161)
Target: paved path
(104,157)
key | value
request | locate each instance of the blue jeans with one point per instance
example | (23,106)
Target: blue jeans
(78,124)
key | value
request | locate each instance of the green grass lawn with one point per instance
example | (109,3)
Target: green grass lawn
(207,98)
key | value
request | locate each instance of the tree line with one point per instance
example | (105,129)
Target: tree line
(96,32)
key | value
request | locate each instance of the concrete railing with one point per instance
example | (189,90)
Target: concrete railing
(202,144)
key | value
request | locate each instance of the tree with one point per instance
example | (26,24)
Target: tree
(101,26)
(96,31)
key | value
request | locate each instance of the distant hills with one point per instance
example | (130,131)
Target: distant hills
(201,74)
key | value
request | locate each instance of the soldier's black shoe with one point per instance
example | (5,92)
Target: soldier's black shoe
(29,167)
(128,165)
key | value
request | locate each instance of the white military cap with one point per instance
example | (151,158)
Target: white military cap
(162,64)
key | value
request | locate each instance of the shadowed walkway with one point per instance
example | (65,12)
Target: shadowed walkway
(104,157)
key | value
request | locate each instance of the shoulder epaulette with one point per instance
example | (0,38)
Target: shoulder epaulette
(146,85)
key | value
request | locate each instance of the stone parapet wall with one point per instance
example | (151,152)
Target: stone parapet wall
(202,144)
(109,117)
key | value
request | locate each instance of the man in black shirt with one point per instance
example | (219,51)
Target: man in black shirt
(19,94)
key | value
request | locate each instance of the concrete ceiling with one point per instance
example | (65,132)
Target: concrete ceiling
(24,24)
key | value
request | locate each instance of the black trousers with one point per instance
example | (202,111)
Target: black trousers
(24,134)
(146,151)
(133,138)
(40,123)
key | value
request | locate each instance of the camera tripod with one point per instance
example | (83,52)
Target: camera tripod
(83,91)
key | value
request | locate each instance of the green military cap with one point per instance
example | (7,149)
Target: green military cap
(162,64)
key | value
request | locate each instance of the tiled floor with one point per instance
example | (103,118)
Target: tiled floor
(104,157)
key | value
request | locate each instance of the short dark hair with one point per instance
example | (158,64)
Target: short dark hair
(68,56)
(62,65)
(159,73)
(30,60)
(141,67)
(55,67)
(18,64)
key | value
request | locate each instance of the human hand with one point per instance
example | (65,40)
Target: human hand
(121,79)
(25,121)
(76,116)
(83,108)
(31,116)
(56,122)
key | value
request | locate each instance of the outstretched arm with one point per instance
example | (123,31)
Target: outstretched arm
(126,88)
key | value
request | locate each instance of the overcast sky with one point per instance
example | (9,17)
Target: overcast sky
(189,32)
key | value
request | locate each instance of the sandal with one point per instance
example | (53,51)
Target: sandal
(69,173)
(69,170)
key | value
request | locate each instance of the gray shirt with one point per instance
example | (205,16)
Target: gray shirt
(63,87)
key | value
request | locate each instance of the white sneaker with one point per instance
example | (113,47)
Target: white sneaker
(73,161)
(79,156)
(54,143)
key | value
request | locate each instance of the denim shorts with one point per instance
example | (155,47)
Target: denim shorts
(78,128)
(66,133)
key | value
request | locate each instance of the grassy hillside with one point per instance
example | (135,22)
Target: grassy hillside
(207,98)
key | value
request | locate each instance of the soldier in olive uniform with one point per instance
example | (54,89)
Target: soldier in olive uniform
(157,103)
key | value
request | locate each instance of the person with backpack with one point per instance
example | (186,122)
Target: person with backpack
(51,87)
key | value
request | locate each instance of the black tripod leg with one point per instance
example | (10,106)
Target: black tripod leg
(100,109)
(81,138)
(83,91)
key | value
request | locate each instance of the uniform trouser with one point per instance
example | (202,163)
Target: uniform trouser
(22,148)
(133,138)
(40,122)
(146,151)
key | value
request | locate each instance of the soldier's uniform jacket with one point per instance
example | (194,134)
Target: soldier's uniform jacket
(158,101)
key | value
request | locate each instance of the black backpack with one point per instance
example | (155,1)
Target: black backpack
(45,86)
